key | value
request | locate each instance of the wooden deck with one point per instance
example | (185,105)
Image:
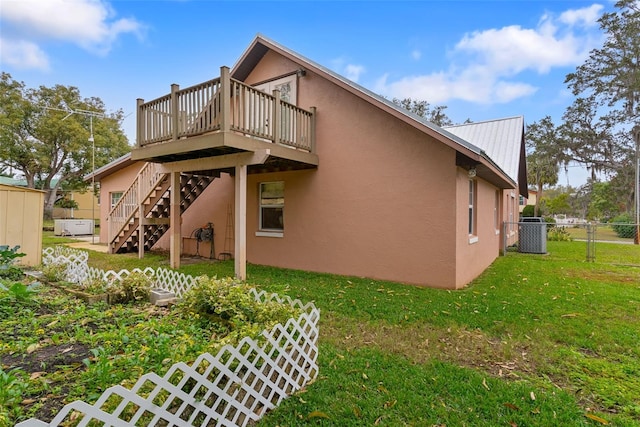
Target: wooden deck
(222,117)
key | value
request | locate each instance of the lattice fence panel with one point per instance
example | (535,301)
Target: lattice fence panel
(233,388)
(174,281)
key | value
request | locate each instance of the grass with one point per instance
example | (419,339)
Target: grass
(603,233)
(535,340)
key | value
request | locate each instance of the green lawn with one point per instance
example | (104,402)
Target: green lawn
(544,340)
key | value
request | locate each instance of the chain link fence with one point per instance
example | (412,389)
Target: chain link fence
(579,240)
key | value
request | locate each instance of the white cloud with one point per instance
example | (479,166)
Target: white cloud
(349,70)
(587,16)
(416,54)
(353,72)
(23,54)
(486,64)
(90,24)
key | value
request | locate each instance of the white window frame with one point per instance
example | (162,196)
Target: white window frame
(113,203)
(473,203)
(496,212)
(269,232)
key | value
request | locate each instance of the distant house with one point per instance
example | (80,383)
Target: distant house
(87,203)
(298,167)
(530,200)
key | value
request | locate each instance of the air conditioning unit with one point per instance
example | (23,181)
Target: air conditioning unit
(72,227)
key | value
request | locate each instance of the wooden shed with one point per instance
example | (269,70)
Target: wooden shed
(21,211)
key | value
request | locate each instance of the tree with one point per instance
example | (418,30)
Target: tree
(543,156)
(435,115)
(612,73)
(559,204)
(603,205)
(594,140)
(41,137)
(609,82)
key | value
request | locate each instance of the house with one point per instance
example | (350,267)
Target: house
(87,203)
(529,200)
(295,166)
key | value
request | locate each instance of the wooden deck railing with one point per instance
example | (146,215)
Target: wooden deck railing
(228,105)
(124,211)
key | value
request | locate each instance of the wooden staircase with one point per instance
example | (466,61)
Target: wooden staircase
(150,194)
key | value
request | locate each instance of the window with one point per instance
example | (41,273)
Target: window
(522,201)
(512,201)
(272,206)
(115,197)
(496,211)
(288,88)
(472,207)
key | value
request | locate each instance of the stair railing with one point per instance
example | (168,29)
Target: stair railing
(145,182)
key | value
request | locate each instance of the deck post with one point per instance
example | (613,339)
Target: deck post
(140,121)
(277,117)
(140,221)
(225,96)
(175,221)
(241,222)
(313,130)
(174,111)
(109,245)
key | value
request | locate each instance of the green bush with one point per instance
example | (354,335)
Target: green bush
(528,210)
(54,272)
(135,287)
(231,307)
(94,286)
(559,234)
(8,256)
(624,226)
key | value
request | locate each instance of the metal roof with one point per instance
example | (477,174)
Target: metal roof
(500,139)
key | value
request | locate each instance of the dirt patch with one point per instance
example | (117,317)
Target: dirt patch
(631,277)
(47,359)
(470,348)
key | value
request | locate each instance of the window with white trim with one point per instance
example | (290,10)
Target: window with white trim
(496,211)
(272,206)
(511,207)
(115,197)
(472,207)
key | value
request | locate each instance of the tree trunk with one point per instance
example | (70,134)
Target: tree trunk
(49,200)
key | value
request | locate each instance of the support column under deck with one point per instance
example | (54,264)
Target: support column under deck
(241,222)
(175,221)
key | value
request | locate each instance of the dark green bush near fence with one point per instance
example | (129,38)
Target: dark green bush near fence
(624,226)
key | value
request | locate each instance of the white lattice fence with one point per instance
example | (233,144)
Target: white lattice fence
(233,388)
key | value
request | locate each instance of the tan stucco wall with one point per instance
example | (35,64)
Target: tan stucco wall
(211,206)
(475,253)
(21,212)
(379,204)
(113,183)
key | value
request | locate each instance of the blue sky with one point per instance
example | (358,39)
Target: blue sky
(482,59)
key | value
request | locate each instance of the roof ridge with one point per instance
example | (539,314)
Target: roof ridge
(486,121)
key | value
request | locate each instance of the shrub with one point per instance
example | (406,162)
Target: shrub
(94,286)
(559,234)
(134,287)
(54,272)
(231,307)
(624,226)
(7,258)
(528,210)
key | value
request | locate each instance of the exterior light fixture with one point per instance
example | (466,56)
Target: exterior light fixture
(472,172)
